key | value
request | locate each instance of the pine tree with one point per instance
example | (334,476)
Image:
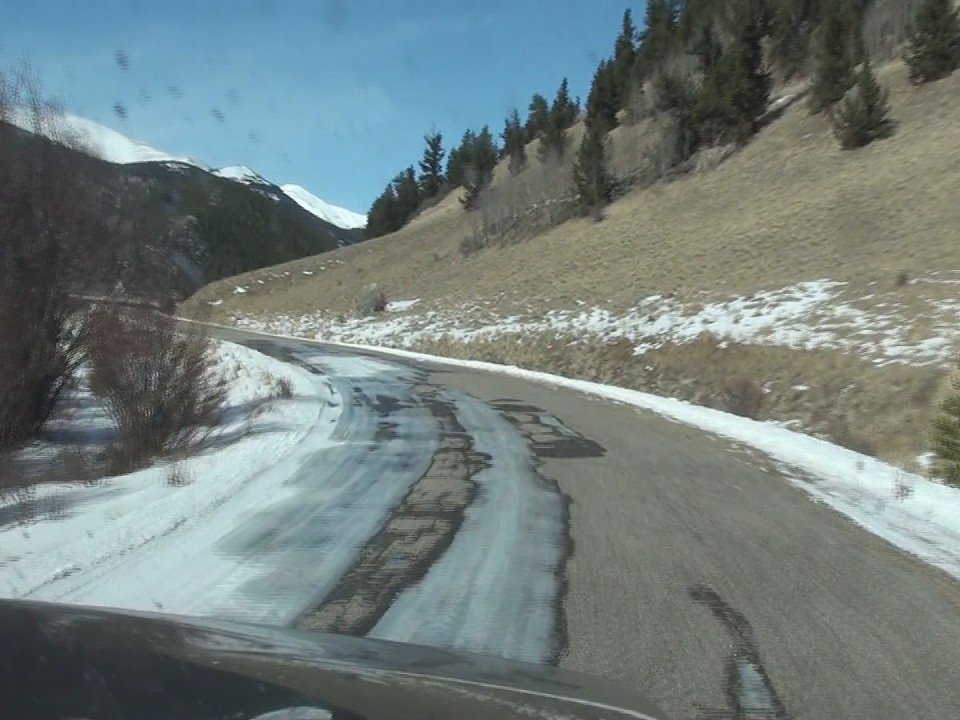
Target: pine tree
(459,158)
(538,118)
(745,84)
(790,32)
(603,102)
(382,217)
(935,42)
(945,438)
(564,111)
(658,35)
(624,56)
(514,143)
(864,114)
(591,177)
(407,190)
(431,166)
(834,72)
(481,159)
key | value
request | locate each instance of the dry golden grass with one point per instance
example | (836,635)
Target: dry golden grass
(882,411)
(791,206)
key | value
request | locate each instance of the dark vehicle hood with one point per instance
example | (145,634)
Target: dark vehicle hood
(71,662)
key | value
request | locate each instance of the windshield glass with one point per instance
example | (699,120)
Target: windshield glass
(614,338)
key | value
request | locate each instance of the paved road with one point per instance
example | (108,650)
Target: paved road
(641,550)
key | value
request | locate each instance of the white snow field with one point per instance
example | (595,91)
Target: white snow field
(138,542)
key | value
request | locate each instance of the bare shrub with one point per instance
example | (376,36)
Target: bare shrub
(58,230)
(902,279)
(284,388)
(742,395)
(522,206)
(178,474)
(156,383)
(371,300)
(842,433)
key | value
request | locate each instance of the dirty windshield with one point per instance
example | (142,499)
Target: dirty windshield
(428,359)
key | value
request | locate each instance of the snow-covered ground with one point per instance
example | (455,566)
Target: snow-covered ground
(137,541)
(825,314)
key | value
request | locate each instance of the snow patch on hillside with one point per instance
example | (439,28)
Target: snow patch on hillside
(341,217)
(822,314)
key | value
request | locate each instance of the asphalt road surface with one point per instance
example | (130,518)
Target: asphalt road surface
(541,524)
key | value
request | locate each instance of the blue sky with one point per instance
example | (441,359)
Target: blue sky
(334,95)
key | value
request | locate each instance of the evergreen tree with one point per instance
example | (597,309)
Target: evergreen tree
(864,114)
(790,30)
(735,88)
(514,143)
(834,72)
(538,118)
(481,159)
(658,35)
(935,42)
(945,438)
(591,177)
(407,191)
(603,102)
(431,166)
(382,217)
(624,55)
(676,97)
(458,159)
(564,111)
(707,49)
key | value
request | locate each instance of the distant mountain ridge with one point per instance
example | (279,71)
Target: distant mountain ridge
(117,148)
(196,224)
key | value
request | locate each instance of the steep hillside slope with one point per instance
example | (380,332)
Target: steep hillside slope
(823,277)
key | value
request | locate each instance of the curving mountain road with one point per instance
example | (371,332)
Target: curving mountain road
(547,525)
(478,511)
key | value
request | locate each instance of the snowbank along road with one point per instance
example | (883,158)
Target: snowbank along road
(467,509)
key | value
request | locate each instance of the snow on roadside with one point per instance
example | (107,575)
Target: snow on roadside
(909,511)
(821,314)
(104,523)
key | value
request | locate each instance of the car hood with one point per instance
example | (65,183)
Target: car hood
(67,661)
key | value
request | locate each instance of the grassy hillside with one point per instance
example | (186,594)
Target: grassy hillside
(789,207)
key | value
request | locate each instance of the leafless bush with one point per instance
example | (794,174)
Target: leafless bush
(156,383)
(284,388)
(371,300)
(886,27)
(902,279)
(57,234)
(522,206)
(840,432)
(742,396)
(177,474)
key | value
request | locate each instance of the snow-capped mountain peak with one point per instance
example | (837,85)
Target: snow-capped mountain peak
(115,147)
(241,173)
(97,139)
(341,217)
